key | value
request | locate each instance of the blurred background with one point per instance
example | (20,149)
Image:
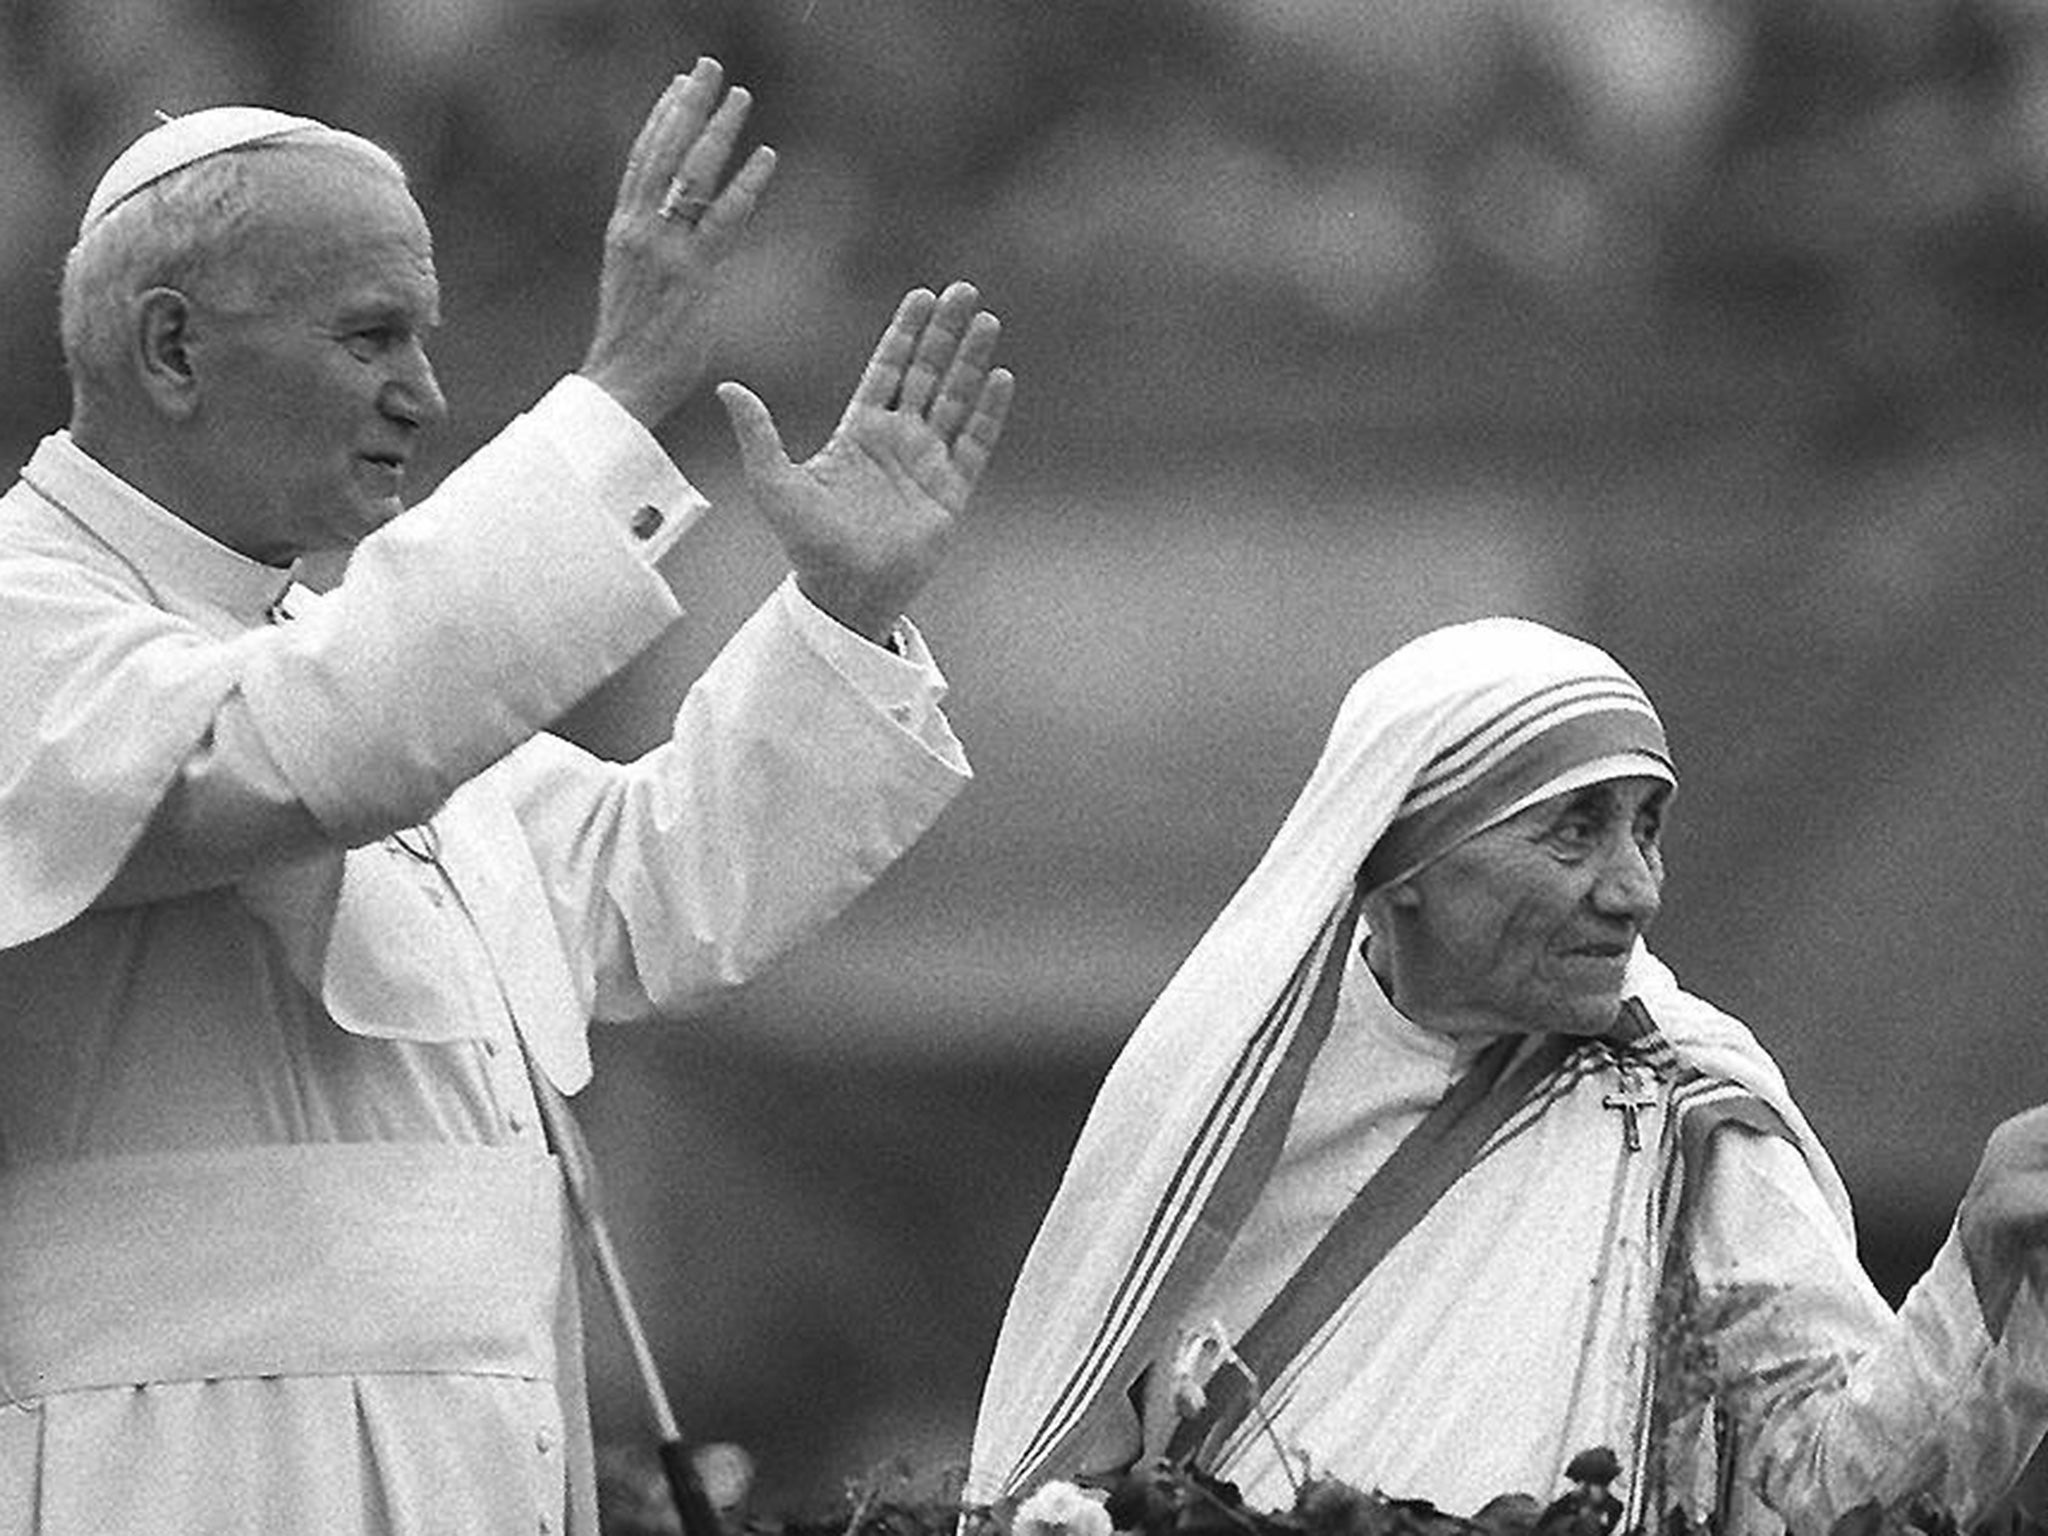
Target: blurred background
(1711,329)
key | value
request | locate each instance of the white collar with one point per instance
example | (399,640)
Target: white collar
(187,572)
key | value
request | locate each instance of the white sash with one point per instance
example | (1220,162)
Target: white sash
(323,1259)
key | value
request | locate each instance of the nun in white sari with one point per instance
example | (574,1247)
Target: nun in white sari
(1441,1164)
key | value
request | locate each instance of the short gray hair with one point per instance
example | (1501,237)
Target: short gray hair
(185,230)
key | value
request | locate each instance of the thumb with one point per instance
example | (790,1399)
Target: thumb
(761,451)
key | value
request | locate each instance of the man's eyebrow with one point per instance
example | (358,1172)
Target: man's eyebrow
(384,302)
(384,314)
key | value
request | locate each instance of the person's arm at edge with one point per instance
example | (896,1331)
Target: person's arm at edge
(1841,1401)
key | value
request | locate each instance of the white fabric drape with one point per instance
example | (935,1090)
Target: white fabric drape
(277,1011)
(1104,1288)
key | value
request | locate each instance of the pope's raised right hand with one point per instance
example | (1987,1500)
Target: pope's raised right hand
(676,219)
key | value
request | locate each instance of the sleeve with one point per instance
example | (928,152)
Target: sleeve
(1838,1401)
(82,768)
(635,484)
(462,628)
(783,791)
(142,748)
(905,684)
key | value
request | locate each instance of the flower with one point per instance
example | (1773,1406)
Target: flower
(727,1473)
(1196,1356)
(1061,1509)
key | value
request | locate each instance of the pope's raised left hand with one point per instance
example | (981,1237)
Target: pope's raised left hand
(866,520)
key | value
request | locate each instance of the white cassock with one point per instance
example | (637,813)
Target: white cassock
(281,1244)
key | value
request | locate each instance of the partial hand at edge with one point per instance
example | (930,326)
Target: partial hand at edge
(866,520)
(2003,1220)
(650,348)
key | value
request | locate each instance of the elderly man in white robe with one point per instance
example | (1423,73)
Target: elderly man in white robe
(303,914)
(1425,1174)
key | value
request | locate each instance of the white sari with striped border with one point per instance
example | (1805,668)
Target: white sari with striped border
(1175,1155)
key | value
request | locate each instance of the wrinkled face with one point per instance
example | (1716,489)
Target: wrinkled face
(1528,925)
(313,401)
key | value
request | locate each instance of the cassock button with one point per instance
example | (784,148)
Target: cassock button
(543,1442)
(647,521)
(517,1122)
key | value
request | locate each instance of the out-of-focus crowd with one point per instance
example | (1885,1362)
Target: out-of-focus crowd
(1177,181)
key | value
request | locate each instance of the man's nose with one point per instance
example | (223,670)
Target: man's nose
(413,392)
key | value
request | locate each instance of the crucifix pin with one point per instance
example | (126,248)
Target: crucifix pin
(1631,1101)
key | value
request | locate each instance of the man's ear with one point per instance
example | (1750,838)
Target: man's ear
(163,361)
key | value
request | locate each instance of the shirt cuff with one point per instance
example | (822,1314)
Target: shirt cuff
(637,485)
(905,684)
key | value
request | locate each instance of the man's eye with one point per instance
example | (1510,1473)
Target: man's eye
(369,343)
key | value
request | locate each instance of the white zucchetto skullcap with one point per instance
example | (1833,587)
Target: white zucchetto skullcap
(178,142)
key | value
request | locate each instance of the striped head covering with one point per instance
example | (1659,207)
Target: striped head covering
(1522,746)
(1451,733)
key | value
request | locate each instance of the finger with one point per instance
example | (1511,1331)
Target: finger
(701,166)
(977,440)
(937,344)
(753,428)
(731,209)
(961,388)
(883,376)
(640,159)
(658,146)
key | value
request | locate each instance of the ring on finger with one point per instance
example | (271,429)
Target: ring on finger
(680,203)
